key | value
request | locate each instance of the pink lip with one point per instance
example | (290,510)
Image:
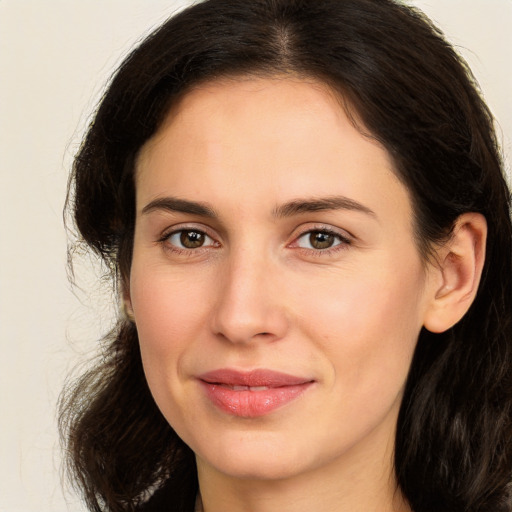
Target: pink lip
(252,394)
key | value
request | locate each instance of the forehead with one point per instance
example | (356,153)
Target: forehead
(206,113)
(226,95)
(272,137)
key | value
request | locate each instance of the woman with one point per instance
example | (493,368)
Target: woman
(304,208)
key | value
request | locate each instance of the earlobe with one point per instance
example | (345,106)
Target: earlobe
(458,269)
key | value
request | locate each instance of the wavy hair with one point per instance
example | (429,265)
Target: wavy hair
(414,94)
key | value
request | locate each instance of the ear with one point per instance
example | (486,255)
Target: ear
(457,273)
(127,303)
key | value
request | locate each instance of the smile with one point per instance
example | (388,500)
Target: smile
(252,394)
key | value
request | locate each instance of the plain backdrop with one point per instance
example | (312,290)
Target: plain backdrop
(55,56)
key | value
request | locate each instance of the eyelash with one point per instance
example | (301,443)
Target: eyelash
(168,246)
(342,241)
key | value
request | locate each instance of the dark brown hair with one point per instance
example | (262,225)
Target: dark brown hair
(416,96)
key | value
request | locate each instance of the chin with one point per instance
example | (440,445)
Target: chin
(257,457)
(274,467)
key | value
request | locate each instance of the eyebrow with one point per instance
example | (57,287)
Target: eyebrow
(173,204)
(289,209)
(298,206)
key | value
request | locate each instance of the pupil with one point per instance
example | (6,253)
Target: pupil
(192,239)
(321,240)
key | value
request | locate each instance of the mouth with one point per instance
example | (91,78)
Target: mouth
(252,394)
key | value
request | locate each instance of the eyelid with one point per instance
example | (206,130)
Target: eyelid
(344,236)
(190,226)
(328,228)
(206,239)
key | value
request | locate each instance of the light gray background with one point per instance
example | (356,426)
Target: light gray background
(55,57)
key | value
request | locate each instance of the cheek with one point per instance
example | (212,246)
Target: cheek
(169,311)
(367,323)
(167,308)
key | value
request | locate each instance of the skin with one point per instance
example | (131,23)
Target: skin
(257,294)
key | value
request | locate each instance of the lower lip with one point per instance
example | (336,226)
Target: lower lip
(249,403)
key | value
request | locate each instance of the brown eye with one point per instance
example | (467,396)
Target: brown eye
(188,239)
(321,239)
(192,239)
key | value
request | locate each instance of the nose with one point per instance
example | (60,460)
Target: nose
(249,304)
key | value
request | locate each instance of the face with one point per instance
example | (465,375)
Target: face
(276,286)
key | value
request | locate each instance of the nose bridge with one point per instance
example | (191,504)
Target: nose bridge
(248,304)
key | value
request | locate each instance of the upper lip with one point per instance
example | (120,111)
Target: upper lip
(253,378)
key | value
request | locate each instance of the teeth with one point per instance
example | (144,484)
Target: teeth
(249,388)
